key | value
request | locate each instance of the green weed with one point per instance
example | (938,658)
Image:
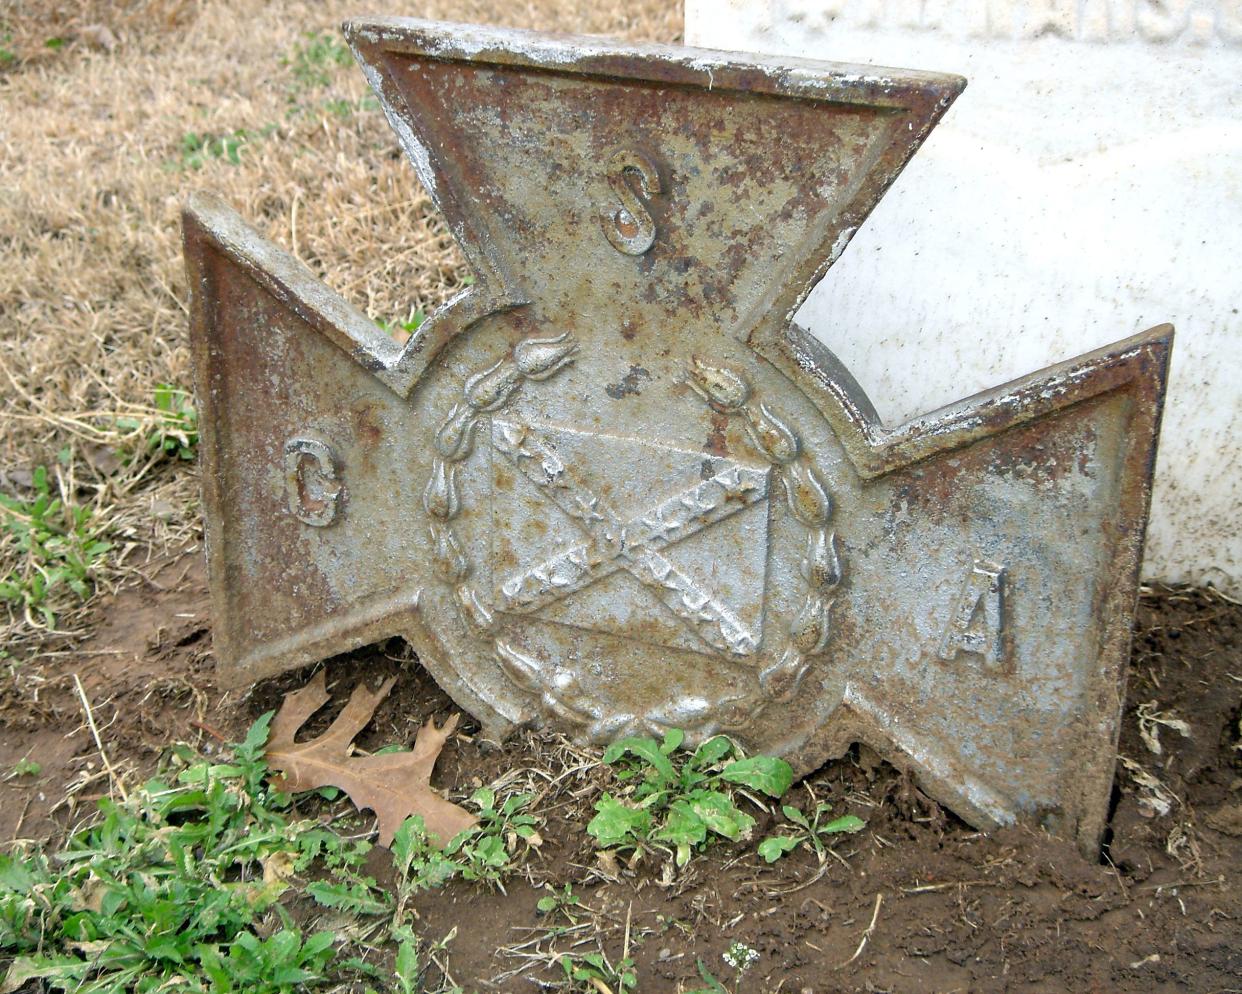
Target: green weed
(809,831)
(714,986)
(408,327)
(341,107)
(60,547)
(173,433)
(283,962)
(739,957)
(312,62)
(682,803)
(407,966)
(561,904)
(485,853)
(587,971)
(26,767)
(180,883)
(197,149)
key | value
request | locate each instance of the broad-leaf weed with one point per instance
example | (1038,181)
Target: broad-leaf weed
(681,802)
(809,830)
(189,882)
(594,972)
(59,543)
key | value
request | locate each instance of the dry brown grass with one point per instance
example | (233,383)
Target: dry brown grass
(93,169)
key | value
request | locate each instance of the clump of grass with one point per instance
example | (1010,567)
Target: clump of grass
(197,149)
(57,545)
(176,880)
(60,528)
(52,544)
(173,430)
(193,881)
(341,107)
(57,531)
(314,60)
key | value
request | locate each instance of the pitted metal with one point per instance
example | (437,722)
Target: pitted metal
(612,488)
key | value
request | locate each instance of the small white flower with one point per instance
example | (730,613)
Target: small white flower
(740,956)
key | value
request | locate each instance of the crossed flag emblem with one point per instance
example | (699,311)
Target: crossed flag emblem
(635,544)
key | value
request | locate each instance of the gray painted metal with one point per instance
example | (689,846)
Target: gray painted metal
(610,487)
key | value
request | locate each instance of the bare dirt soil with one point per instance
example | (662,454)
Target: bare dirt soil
(916,902)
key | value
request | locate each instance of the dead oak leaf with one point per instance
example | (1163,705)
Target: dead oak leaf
(393,785)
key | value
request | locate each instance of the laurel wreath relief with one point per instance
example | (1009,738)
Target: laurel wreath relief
(557,689)
(485,392)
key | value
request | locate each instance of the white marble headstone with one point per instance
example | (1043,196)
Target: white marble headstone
(1087,185)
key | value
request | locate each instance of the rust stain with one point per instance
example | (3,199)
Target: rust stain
(630,384)
(717,443)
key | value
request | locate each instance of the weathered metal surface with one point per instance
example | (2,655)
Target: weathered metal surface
(611,488)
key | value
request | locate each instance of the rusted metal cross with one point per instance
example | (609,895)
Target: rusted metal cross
(612,486)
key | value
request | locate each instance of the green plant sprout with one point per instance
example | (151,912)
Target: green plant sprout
(810,831)
(586,972)
(314,60)
(485,852)
(408,327)
(739,957)
(175,879)
(26,767)
(684,804)
(60,546)
(199,148)
(714,986)
(173,433)
(561,904)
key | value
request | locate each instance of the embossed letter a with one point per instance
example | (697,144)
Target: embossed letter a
(978,619)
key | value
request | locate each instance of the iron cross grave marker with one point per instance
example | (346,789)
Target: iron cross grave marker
(611,487)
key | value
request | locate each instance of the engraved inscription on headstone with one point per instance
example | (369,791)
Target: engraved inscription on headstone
(1194,22)
(1091,130)
(611,489)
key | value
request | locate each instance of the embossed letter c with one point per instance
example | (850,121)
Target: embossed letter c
(312,481)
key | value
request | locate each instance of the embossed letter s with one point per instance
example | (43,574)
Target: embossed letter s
(312,481)
(630,227)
